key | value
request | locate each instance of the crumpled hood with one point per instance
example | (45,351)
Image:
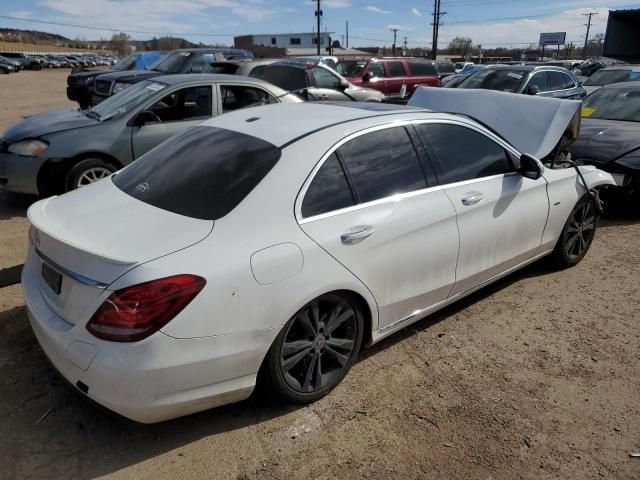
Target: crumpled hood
(603,141)
(48,123)
(532,124)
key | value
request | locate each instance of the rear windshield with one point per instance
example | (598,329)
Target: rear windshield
(287,77)
(203,172)
(504,80)
(605,77)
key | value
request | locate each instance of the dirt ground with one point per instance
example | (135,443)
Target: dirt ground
(535,377)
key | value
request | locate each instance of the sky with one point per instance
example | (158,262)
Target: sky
(487,22)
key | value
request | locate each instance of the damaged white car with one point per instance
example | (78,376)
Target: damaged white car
(272,243)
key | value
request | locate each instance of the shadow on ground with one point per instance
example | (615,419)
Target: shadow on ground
(14,204)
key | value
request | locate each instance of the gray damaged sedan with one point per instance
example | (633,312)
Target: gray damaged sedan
(65,149)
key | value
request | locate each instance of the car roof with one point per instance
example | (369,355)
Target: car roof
(206,77)
(285,123)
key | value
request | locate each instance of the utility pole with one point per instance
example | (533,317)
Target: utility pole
(318,15)
(436,27)
(395,32)
(347,34)
(586,38)
(404,52)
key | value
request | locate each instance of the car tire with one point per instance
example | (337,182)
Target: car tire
(578,233)
(313,353)
(88,171)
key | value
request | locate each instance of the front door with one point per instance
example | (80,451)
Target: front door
(326,86)
(396,77)
(175,112)
(369,206)
(501,214)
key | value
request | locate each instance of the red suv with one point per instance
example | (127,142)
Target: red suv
(389,74)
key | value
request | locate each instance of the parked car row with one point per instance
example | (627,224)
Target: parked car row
(15,61)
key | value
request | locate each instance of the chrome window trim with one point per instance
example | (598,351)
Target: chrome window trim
(398,197)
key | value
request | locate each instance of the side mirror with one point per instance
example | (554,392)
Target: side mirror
(529,167)
(532,90)
(144,117)
(367,76)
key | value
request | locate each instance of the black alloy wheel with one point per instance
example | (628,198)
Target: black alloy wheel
(578,233)
(316,348)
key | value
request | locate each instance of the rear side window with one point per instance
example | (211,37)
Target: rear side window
(328,191)
(422,68)
(463,154)
(395,69)
(286,77)
(382,163)
(203,172)
(559,81)
(257,72)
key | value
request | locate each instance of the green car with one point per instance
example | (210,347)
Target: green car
(65,149)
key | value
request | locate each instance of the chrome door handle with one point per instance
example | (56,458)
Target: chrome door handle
(356,234)
(471,198)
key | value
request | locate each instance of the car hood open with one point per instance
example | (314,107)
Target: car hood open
(533,125)
(603,141)
(48,123)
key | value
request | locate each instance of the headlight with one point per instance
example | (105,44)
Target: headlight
(28,148)
(120,86)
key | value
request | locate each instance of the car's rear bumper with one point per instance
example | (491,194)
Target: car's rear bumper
(156,379)
(20,174)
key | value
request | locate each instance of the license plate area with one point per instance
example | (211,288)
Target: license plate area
(52,278)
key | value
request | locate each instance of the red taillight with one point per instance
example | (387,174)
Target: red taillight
(136,312)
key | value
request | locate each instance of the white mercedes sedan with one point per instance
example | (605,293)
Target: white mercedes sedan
(272,243)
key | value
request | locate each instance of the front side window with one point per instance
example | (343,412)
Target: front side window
(328,191)
(325,79)
(376,69)
(382,163)
(203,172)
(463,154)
(186,104)
(238,96)
(395,69)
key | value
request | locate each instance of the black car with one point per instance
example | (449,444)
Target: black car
(26,61)
(192,60)
(15,65)
(610,134)
(80,84)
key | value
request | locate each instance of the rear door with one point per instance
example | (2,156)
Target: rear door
(370,206)
(501,214)
(176,111)
(396,76)
(561,85)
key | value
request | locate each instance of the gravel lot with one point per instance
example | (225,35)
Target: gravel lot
(535,377)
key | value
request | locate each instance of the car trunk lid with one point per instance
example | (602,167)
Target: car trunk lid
(88,238)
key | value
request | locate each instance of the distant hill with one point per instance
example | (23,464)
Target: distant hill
(32,36)
(11,35)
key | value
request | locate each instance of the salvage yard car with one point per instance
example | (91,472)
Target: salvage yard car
(80,84)
(613,74)
(545,81)
(66,149)
(316,82)
(193,60)
(272,243)
(610,134)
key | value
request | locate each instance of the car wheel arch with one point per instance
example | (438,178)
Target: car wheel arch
(53,173)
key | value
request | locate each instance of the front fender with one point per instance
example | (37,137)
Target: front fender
(596,178)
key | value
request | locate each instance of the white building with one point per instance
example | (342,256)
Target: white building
(282,40)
